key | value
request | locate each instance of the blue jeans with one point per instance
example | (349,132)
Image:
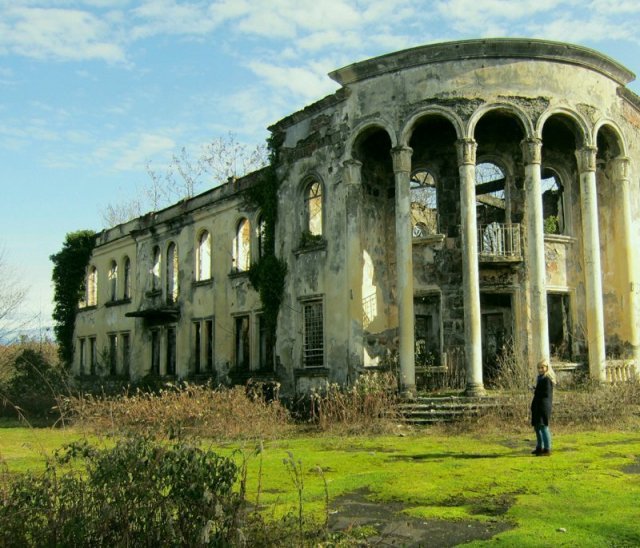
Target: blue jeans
(543,437)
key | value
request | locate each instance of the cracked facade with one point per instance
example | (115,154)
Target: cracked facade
(449,203)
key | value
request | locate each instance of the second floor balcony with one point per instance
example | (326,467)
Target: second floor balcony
(499,243)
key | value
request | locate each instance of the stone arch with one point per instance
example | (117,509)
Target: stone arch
(504,108)
(581,131)
(366,128)
(434,110)
(609,140)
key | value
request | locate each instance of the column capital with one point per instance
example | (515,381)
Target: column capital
(532,150)
(466,149)
(620,168)
(401,156)
(586,157)
(352,171)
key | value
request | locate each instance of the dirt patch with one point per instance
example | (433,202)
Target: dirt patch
(632,468)
(393,528)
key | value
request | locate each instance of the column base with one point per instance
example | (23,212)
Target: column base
(408,392)
(475,391)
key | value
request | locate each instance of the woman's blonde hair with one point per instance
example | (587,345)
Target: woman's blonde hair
(549,373)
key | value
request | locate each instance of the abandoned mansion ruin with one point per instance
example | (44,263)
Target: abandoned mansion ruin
(448,204)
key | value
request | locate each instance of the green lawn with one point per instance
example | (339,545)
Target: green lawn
(586,494)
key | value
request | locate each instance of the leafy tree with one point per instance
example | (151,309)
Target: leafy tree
(69,269)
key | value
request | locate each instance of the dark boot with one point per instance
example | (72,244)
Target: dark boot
(536,451)
(545,453)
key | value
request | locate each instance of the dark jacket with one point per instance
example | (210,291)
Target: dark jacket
(542,402)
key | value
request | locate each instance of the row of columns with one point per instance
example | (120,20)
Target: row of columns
(538,319)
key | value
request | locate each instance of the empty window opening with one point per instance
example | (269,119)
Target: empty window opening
(262,233)
(82,359)
(172,273)
(266,344)
(552,203)
(427,330)
(197,347)
(203,268)
(242,246)
(126,354)
(155,269)
(208,346)
(155,352)
(559,319)
(171,351)
(497,332)
(313,355)
(424,204)
(93,355)
(113,281)
(490,193)
(242,343)
(313,207)
(92,287)
(113,355)
(126,282)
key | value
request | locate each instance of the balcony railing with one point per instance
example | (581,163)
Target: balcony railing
(499,242)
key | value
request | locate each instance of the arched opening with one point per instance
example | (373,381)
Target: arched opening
(203,256)
(242,246)
(313,208)
(126,282)
(113,281)
(172,273)
(156,269)
(424,204)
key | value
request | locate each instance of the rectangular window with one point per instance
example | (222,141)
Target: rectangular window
(93,355)
(208,328)
(266,345)
(313,355)
(242,342)
(155,352)
(197,346)
(171,351)
(126,354)
(113,355)
(81,356)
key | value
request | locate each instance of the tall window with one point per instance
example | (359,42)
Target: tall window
(92,286)
(266,344)
(552,203)
(155,268)
(126,282)
(242,342)
(197,346)
(424,204)
(82,358)
(313,208)
(126,354)
(242,246)
(203,267)
(208,344)
(93,355)
(113,281)
(171,351)
(313,355)
(155,352)
(113,354)
(172,273)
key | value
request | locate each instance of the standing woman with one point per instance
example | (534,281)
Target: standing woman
(541,408)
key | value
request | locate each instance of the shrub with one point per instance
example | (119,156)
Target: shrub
(218,413)
(138,493)
(368,406)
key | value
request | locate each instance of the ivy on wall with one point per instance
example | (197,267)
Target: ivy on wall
(268,274)
(69,269)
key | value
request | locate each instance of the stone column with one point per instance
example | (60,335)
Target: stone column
(466,149)
(592,269)
(539,320)
(352,177)
(620,172)
(404,269)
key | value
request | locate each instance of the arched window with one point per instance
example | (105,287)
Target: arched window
(203,267)
(313,208)
(424,204)
(552,203)
(242,246)
(155,269)
(113,281)
(262,231)
(126,282)
(172,273)
(92,286)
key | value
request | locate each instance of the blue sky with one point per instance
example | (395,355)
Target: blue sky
(91,91)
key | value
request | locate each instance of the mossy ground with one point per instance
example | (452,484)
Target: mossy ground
(586,494)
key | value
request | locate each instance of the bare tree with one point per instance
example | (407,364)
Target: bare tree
(186,176)
(12,294)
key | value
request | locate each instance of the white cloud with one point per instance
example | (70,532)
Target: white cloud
(132,153)
(57,34)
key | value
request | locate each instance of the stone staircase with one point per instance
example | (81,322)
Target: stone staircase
(435,409)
